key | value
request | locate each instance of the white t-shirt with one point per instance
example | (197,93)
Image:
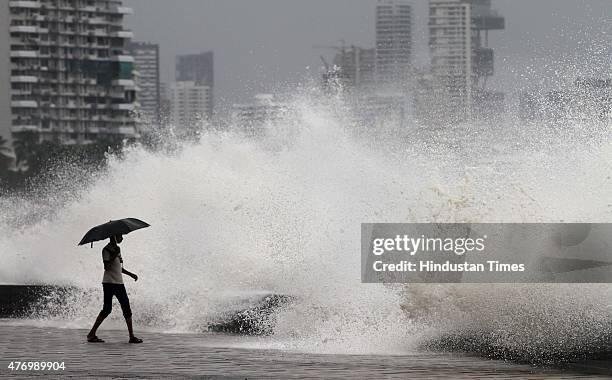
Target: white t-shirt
(113,274)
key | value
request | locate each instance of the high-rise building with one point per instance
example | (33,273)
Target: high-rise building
(197,68)
(450,43)
(486,104)
(484,20)
(460,58)
(190,107)
(65,75)
(146,60)
(393,42)
(5,77)
(165,104)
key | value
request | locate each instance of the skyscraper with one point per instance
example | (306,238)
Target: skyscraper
(461,61)
(393,42)
(66,75)
(146,60)
(487,104)
(165,103)
(450,43)
(5,77)
(190,110)
(197,68)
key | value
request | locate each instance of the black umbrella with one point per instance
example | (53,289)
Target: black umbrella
(112,228)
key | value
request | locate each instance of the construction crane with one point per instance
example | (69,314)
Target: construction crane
(325,64)
(334,77)
(341,48)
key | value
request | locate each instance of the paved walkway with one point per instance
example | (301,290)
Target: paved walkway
(203,356)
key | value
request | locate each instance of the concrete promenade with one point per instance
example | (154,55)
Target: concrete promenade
(212,356)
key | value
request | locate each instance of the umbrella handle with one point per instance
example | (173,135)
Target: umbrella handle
(91,244)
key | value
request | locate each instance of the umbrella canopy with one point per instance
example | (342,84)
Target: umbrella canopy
(112,228)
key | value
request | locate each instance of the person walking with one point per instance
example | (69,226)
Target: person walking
(112,285)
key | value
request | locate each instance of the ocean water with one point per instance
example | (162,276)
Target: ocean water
(233,216)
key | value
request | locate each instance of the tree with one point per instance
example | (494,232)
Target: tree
(6,155)
(26,144)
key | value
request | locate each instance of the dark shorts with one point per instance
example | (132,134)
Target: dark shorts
(117,290)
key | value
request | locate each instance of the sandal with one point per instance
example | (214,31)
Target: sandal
(94,339)
(135,340)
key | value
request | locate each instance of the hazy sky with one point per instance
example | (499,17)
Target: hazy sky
(261,44)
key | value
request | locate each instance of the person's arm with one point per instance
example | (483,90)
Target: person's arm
(125,271)
(107,258)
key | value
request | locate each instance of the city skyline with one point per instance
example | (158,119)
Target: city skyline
(306,189)
(252,57)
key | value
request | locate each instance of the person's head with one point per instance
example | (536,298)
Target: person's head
(117,239)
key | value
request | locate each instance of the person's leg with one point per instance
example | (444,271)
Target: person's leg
(106,310)
(124,301)
(128,322)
